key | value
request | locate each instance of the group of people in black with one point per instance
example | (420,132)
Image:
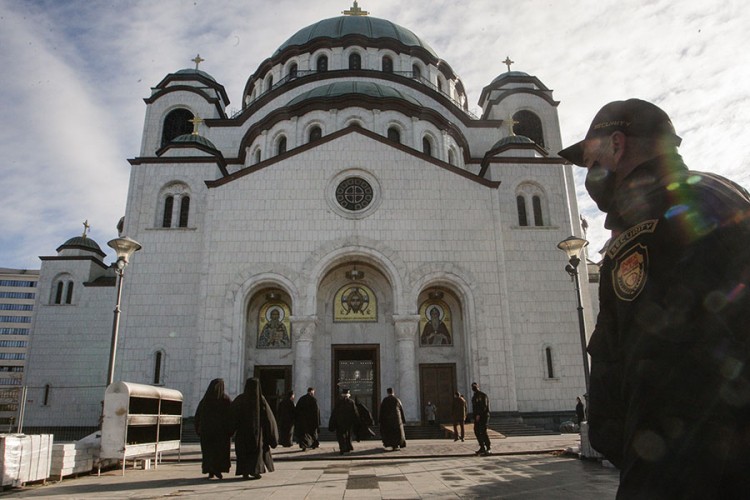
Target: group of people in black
(257,429)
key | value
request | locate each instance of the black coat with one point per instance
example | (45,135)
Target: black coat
(307,421)
(392,422)
(256,433)
(285,417)
(213,426)
(343,420)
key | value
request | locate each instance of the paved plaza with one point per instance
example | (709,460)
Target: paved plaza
(521,468)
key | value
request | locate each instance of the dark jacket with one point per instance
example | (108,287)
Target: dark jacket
(256,431)
(213,426)
(480,405)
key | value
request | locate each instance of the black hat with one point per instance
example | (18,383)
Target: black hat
(633,117)
(345,391)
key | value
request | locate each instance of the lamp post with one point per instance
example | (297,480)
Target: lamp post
(572,246)
(125,248)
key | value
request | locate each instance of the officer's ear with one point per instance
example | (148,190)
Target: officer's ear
(618,142)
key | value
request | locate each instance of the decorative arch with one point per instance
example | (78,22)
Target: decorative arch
(321,62)
(355,60)
(292,70)
(62,289)
(313,131)
(532,205)
(429,144)
(528,124)
(173,205)
(175,124)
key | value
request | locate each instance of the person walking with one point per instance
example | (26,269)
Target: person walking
(480,407)
(213,426)
(458,415)
(392,422)
(669,397)
(580,414)
(285,413)
(362,429)
(256,432)
(343,419)
(307,420)
(430,412)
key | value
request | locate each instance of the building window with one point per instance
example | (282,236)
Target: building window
(322,63)
(416,73)
(315,134)
(176,123)
(355,61)
(394,135)
(158,365)
(440,85)
(184,211)
(387,64)
(45,399)
(451,157)
(269,83)
(281,146)
(257,156)
(426,146)
(536,203)
(59,292)
(521,205)
(69,293)
(354,194)
(167,218)
(528,125)
(293,71)
(548,357)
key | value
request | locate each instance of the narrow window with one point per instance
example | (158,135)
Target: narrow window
(58,295)
(394,135)
(355,61)
(387,65)
(451,157)
(416,73)
(426,146)
(548,354)
(315,134)
(269,82)
(45,400)
(521,204)
(257,156)
(69,293)
(440,85)
(167,220)
(157,367)
(184,211)
(292,71)
(281,147)
(536,203)
(322,63)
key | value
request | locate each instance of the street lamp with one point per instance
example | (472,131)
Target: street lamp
(125,248)
(572,246)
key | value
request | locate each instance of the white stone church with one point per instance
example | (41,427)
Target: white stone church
(353,225)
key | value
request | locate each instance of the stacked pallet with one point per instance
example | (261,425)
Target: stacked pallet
(73,458)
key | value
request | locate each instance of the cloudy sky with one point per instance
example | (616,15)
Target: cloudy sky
(74,75)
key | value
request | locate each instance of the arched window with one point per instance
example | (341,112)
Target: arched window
(416,73)
(536,203)
(394,135)
(451,157)
(440,85)
(548,358)
(426,146)
(355,61)
(257,156)
(523,220)
(281,145)
(69,293)
(158,367)
(59,292)
(269,83)
(387,64)
(529,125)
(322,63)
(293,71)
(315,134)
(184,211)
(176,123)
(168,205)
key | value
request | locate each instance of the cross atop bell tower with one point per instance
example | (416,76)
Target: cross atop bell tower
(355,11)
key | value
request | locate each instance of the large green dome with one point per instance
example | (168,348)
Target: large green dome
(370,89)
(370,27)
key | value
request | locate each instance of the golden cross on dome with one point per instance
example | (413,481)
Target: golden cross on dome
(508,62)
(355,11)
(86,227)
(196,121)
(512,123)
(197,60)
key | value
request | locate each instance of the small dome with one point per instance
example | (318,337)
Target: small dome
(194,138)
(512,139)
(509,74)
(370,27)
(191,71)
(82,243)
(369,89)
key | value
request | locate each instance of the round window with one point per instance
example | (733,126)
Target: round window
(354,193)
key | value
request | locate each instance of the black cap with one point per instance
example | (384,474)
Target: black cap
(345,391)
(633,117)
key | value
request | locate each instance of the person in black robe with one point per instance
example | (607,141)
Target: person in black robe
(307,420)
(285,418)
(392,422)
(343,419)
(362,430)
(255,425)
(213,426)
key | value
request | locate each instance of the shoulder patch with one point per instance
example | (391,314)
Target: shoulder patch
(628,235)
(630,272)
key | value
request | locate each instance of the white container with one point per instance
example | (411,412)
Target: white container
(25,458)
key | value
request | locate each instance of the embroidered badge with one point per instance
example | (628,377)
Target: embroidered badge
(630,272)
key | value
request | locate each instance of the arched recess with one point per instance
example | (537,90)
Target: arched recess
(62,291)
(532,205)
(175,124)
(170,204)
(528,124)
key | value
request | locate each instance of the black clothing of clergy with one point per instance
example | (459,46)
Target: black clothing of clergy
(213,426)
(307,421)
(285,420)
(580,414)
(255,425)
(392,422)
(362,429)
(480,407)
(343,420)
(669,401)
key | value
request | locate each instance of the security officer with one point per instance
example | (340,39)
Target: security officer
(670,380)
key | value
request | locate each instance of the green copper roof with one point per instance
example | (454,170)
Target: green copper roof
(338,89)
(512,139)
(82,243)
(191,71)
(508,74)
(370,27)
(194,138)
